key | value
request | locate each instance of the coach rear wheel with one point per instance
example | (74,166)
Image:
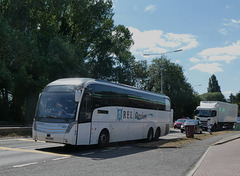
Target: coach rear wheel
(157,134)
(150,135)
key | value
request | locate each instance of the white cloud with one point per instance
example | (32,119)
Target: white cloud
(227,94)
(232,22)
(188,39)
(155,41)
(209,68)
(177,61)
(213,56)
(151,8)
(223,31)
(225,58)
(228,7)
(227,53)
(229,25)
(226,42)
(194,60)
(235,21)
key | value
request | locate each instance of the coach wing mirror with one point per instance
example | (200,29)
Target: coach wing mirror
(39,95)
(77,95)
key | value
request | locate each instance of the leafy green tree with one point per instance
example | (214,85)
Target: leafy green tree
(18,60)
(140,74)
(124,61)
(64,60)
(175,86)
(214,91)
(213,84)
(232,98)
(45,40)
(6,81)
(213,96)
(236,100)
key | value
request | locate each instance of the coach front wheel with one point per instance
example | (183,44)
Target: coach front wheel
(103,139)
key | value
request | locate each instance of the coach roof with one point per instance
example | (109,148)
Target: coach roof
(84,82)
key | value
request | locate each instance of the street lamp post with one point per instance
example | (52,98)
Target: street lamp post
(197,85)
(161,80)
(150,54)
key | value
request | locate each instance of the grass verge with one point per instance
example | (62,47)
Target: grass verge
(16,134)
(179,142)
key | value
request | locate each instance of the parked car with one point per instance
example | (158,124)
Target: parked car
(178,123)
(198,128)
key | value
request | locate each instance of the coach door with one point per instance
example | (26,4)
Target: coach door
(84,120)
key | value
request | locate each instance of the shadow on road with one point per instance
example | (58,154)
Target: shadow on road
(99,153)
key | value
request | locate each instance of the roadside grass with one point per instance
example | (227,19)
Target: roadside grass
(180,142)
(16,134)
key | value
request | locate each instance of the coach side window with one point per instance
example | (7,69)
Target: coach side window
(102,96)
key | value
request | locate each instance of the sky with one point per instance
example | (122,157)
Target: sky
(207,31)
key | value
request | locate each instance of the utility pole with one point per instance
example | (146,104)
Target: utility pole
(150,54)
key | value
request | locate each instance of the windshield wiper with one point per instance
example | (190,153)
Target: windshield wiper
(49,116)
(53,117)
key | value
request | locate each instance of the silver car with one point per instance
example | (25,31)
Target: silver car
(197,126)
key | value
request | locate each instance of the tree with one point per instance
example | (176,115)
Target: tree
(124,61)
(175,86)
(113,60)
(45,40)
(232,98)
(237,98)
(20,73)
(6,82)
(64,60)
(237,101)
(213,84)
(213,96)
(140,74)
(214,91)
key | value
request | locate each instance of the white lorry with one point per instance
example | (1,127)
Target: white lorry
(219,114)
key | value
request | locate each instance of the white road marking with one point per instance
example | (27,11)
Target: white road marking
(90,153)
(23,165)
(66,157)
(106,150)
(32,151)
(126,147)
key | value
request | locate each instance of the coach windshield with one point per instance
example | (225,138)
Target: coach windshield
(57,104)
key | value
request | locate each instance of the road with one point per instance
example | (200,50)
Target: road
(24,157)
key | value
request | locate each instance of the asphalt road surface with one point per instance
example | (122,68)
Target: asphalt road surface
(25,157)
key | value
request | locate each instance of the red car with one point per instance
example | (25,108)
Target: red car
(178,123)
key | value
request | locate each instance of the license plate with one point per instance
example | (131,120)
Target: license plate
(49,138)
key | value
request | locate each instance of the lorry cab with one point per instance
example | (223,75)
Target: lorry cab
(206,115)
